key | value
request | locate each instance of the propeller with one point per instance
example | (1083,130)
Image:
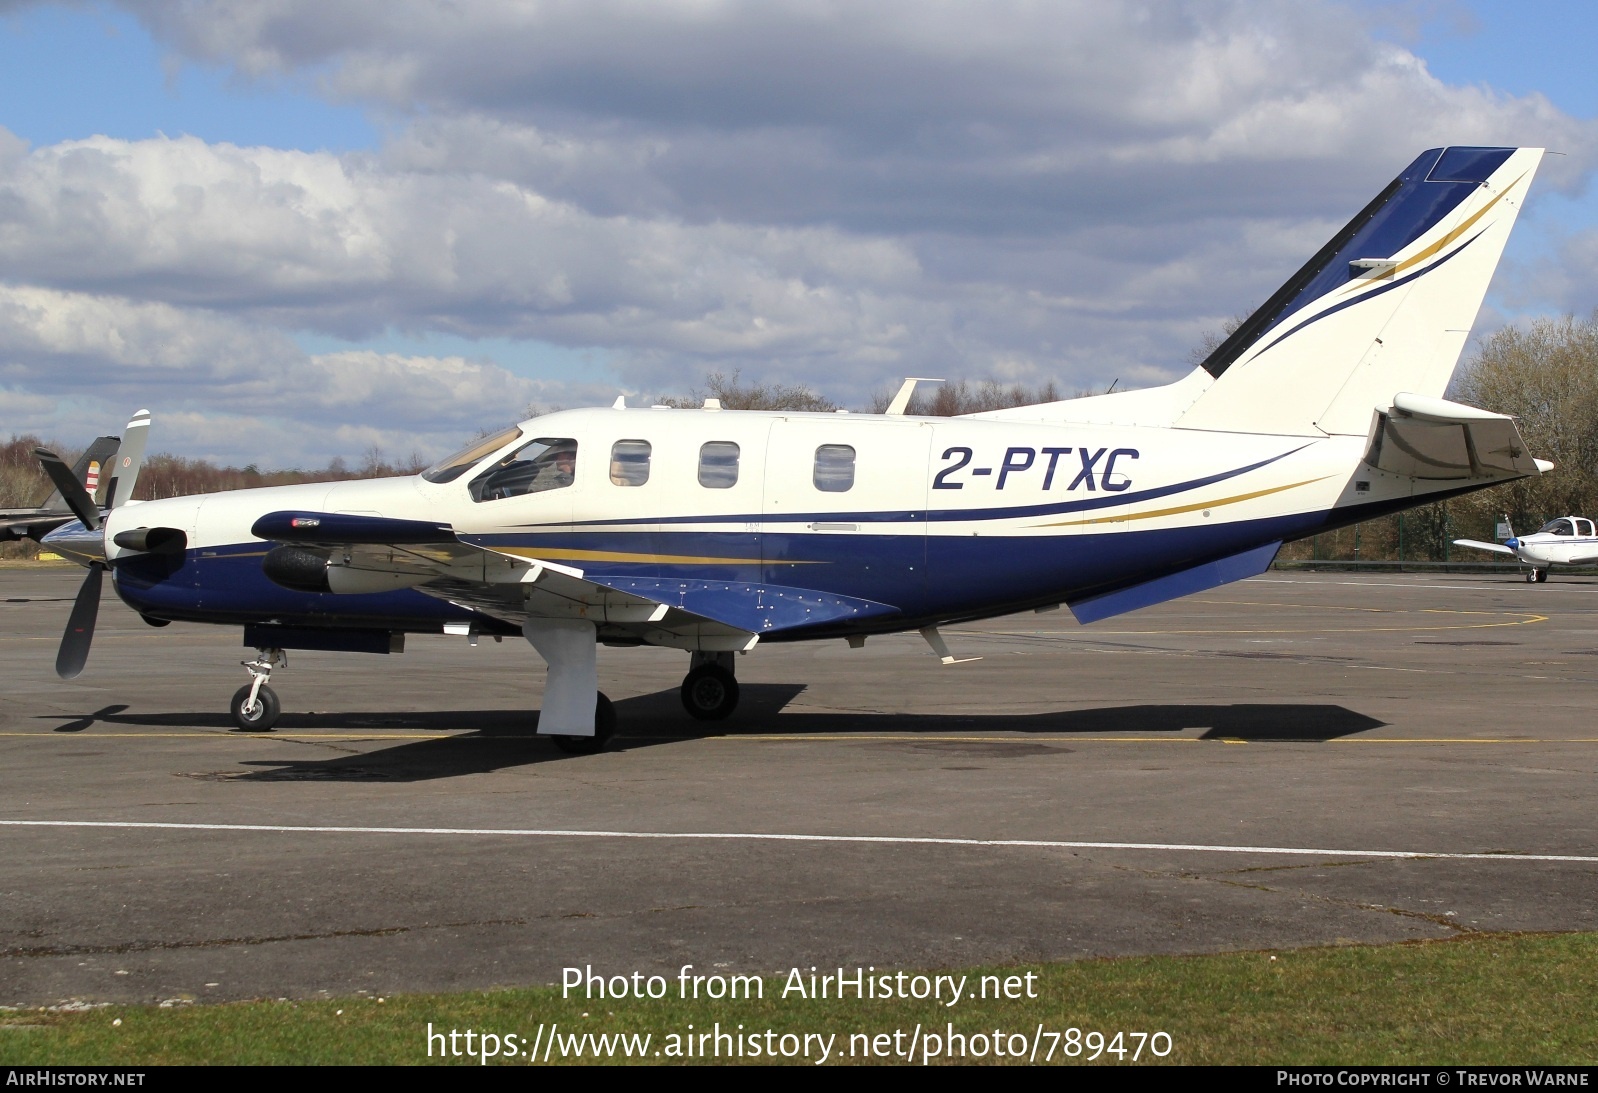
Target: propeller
(71,490)
(74,651)
(86,546)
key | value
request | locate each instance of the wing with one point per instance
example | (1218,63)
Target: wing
(1496,548)
(30,525)
(372,554)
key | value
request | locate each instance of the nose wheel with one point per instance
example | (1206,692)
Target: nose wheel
(1538,575)
(255,707)
(709,691)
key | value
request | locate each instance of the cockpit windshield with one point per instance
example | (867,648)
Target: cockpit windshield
(452,467)
(1560,526)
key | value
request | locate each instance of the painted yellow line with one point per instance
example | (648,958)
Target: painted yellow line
(536,554)
(1462,740)
(1527,619)
(921,738)
(1309,606)
(1095,738)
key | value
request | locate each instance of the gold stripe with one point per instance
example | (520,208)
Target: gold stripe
(1440,244)
(1185,508)
(560,554)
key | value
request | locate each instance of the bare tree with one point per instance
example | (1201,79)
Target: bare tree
(958,398)
(1546,375)
(1211,340)
(737,395)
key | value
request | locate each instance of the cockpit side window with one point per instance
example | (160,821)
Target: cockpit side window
(453,466)
(548,463)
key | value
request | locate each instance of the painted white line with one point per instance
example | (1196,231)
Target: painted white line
(745,836)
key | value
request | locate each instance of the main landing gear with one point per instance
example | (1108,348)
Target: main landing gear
(255,707)
(604,729)
(1538,575)
(709,691)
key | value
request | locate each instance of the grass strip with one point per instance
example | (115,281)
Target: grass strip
(1476,999)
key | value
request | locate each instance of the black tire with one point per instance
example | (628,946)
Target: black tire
(604,729)
(264,714)
(709,693)
(1542,576)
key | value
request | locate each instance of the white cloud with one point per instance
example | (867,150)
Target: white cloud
(234,386)
(829,194)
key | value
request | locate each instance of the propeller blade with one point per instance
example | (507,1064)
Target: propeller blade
(130,457)
(75,642)
(71,490)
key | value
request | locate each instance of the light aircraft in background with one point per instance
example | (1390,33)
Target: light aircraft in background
(92,470)
(1566,540)
(713,531)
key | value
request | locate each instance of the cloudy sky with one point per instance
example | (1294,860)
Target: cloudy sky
(297,229)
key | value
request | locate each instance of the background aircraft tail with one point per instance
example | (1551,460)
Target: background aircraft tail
(1385,307)
(94,469)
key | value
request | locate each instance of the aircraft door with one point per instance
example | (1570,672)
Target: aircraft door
(845,507)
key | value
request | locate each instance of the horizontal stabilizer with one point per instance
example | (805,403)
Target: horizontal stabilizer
(1477,544)
(1432,438)
(1200,578)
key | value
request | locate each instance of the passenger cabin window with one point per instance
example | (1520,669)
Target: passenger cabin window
(1584,527)
(718,465)
(629,463)
(548,463)
(452,467)
(834,468)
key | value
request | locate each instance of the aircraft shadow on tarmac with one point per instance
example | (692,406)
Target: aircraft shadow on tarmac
(499,739)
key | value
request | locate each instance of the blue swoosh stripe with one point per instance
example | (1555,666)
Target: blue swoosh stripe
(1372,295)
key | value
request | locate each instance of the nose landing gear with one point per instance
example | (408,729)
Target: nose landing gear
(255,707)
(1538,575)
(709,691)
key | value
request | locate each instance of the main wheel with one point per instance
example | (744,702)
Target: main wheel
(709,693)
(259,717)
(604,729)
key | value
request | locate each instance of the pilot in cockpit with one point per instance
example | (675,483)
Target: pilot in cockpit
(542,465)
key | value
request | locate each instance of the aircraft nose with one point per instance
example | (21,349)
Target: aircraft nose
(1512,544)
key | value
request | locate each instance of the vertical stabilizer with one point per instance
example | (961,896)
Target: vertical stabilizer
(1384,307)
